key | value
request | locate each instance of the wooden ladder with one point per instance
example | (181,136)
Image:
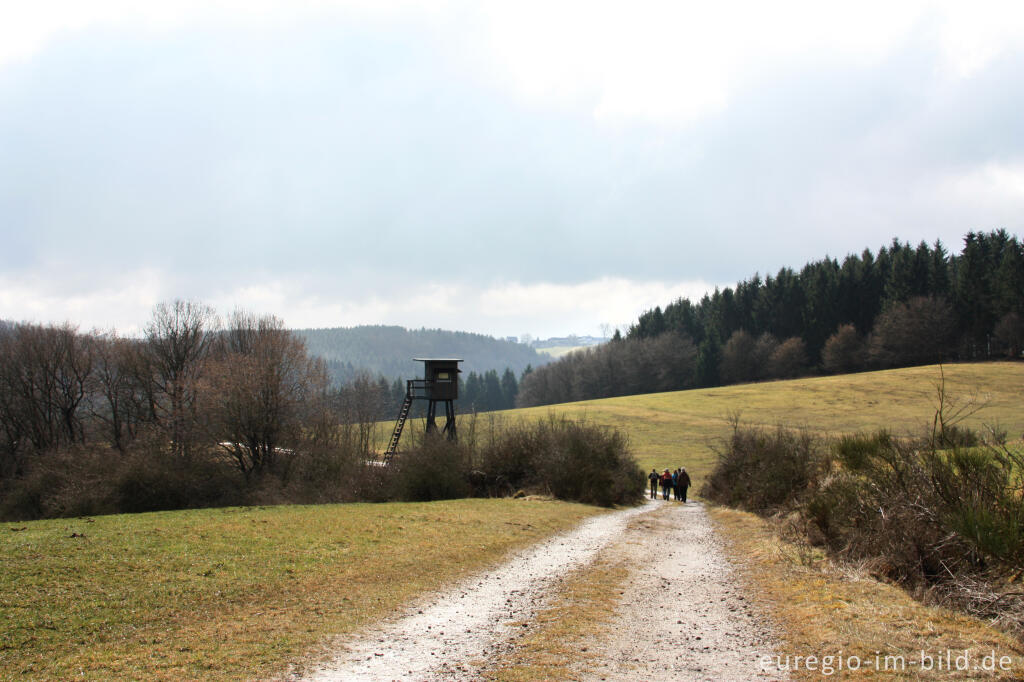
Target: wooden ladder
(397,433)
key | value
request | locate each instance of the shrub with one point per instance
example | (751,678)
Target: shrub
(943,513)
(588,464)
(568,459)
(924,511)
(81,481)
(435,470)
(764,470)
(149,481)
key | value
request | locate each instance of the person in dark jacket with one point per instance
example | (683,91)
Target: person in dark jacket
(682,483)
(675,484)
(653,477)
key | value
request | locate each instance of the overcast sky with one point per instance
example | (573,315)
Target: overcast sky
(503,168)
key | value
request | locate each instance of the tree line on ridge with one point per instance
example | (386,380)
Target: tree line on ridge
(901,306)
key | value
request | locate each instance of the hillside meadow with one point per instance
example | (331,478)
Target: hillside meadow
(683,428)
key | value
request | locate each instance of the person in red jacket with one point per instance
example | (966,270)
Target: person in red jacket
(666,484)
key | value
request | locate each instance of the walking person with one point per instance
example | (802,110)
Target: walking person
(666,484)
(682,483)
(653,477)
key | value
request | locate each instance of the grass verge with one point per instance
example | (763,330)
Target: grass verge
(823,609)
(553,648)
(236,593)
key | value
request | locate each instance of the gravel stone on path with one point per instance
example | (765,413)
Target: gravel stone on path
(682,615)
(439,638)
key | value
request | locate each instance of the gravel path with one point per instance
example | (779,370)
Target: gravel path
(438,638)
(659,634)
(683,616)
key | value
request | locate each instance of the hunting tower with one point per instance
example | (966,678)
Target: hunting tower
(440,384)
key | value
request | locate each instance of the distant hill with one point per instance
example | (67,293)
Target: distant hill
(389,350)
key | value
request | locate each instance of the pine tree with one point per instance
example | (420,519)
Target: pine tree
(509,389)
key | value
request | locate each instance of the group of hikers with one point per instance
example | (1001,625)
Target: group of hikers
(675,482)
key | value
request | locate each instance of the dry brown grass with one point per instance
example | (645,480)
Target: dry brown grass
(824,609)
(553,647)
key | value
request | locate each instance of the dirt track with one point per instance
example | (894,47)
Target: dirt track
(681,617)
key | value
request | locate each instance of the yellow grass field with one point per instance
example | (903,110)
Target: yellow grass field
(667,430)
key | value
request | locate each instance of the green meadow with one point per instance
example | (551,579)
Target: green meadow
(235,593)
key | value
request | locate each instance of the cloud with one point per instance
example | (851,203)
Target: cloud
(995,188)
(541,309)
(123,302)
(349,161)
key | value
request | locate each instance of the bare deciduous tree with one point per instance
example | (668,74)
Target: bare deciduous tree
(844,351)
(45,376)
(915,332)
(178,342)
(263,383)
(789,359)
(120,398)
(739,361)
(1010,333)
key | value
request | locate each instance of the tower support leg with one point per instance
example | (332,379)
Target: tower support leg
(431,412)
(449,420)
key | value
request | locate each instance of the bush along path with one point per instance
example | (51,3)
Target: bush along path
(676,613)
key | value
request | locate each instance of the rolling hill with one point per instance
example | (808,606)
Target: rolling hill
(684,427)
(389,350)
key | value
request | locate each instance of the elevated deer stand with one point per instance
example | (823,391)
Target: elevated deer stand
(440,384)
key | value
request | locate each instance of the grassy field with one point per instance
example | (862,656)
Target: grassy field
(682,428)
(244,593)
(236,593)
(560,351)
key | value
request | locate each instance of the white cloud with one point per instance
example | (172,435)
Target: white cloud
(997,188)
(124,302)
(613,301)
(832,134)
(540,309)
(973,34)
(672,62)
